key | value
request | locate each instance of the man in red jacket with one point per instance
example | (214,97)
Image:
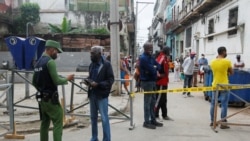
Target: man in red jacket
(162,84)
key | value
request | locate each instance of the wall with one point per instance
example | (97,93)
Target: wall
(235,44)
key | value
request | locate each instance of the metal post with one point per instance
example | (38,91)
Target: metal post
(72,95)
(64,100)
(136,20)
(27,91)
(132,125)
(115,42)
(27,28)
(10,99)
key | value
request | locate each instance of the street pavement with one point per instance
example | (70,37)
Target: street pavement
(190,121)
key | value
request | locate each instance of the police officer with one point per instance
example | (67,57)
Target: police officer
(45,80)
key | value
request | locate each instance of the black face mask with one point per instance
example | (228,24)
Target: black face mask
(94,59)
(54,56)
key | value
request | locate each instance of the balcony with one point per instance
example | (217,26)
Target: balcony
(168,26)
(186,17)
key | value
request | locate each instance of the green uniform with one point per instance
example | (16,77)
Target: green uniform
(46,79)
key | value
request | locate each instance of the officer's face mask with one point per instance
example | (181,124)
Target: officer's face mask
(54,54)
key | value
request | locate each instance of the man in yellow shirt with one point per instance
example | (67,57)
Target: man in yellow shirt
(221,68)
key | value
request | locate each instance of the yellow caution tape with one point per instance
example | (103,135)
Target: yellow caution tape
(196,89)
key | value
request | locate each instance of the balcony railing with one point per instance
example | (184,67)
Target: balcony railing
(192,13)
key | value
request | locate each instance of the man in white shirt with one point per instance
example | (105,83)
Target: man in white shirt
(239,64)
(188,67)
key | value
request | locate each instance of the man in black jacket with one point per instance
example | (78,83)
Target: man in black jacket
(99,83)
(148,76)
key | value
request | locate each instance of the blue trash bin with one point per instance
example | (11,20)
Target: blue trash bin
(240,77)
(34,47)
(16,48)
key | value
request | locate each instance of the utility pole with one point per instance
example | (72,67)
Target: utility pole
(115,43)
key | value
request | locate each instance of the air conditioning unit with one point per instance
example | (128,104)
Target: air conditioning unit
(197,35)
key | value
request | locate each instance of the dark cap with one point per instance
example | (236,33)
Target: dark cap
(238,56)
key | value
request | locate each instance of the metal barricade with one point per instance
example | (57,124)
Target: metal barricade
(124,115)
(18,103)
(222,121)
(5,88)
(3,80)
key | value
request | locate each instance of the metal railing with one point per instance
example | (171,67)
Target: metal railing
(11,103)
(120,111)
(222,121)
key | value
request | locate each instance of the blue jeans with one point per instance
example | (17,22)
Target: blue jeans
(100,105)
(224,98)
(187,82)
(149,101)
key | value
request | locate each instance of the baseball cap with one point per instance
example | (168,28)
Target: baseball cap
(192,53)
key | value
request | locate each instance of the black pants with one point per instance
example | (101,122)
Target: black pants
(161,102)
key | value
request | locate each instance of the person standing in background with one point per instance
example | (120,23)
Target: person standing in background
(137,74)
(188,68)
(162,84)
(171,65)
(195,74)
(148,76)
(177,68)
(130,64)
(239,64)
(124,71)
(202,63)
(221,68)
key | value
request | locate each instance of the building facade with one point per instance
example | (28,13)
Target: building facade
(204,25)
(157,36)
(86,14)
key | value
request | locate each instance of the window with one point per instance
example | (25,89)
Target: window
(178,12)
(233,18)
(192,3)
(188,37)
(174,14)
(211,29)
(183,5)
